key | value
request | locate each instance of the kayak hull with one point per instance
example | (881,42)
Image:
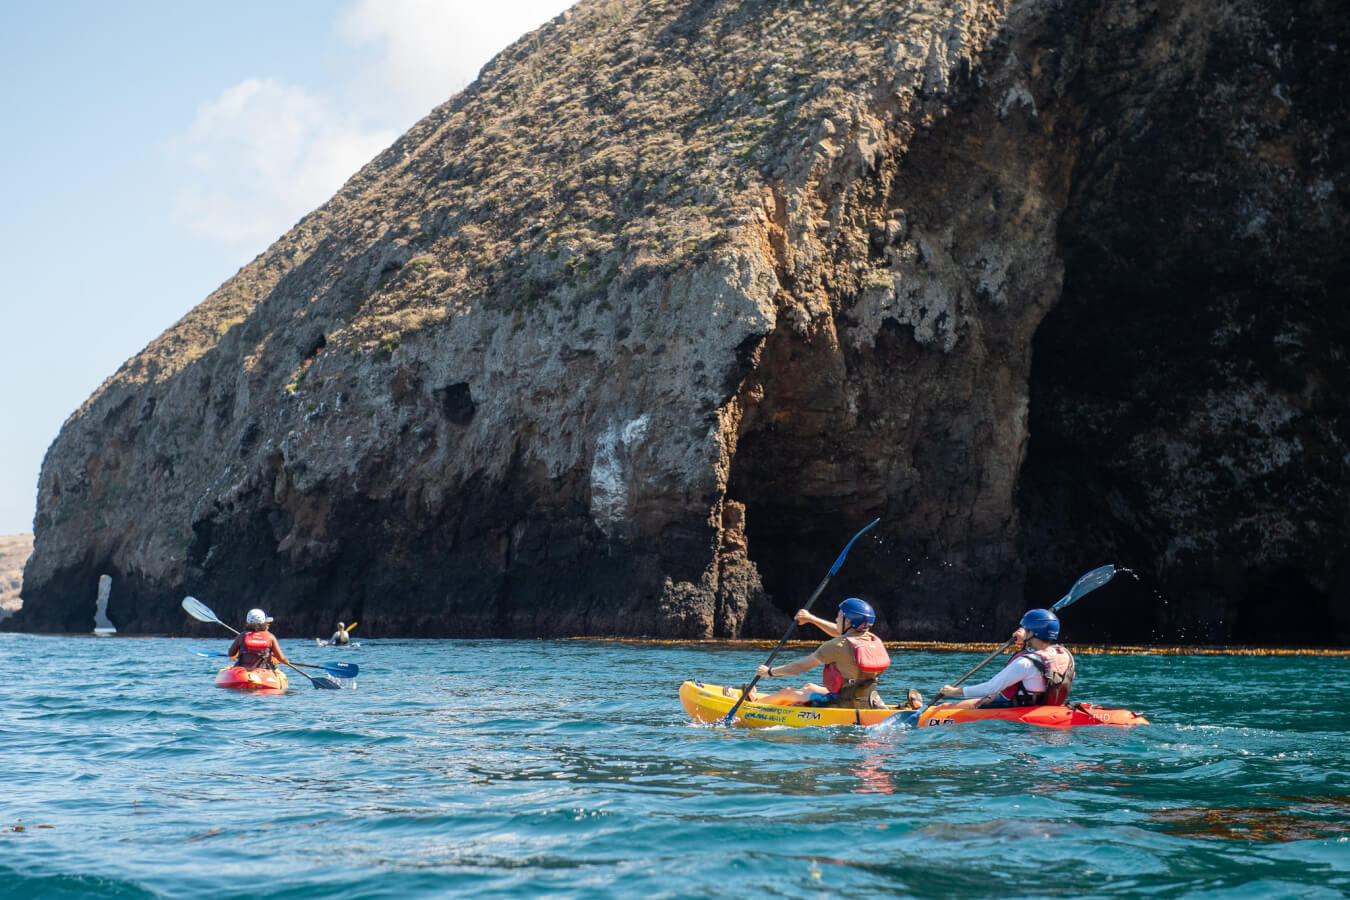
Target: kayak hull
(706,703)
(259,680)
(1045,716)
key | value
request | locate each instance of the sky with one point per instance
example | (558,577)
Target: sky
(149,149)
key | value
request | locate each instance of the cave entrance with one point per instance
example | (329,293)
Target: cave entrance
(810,467)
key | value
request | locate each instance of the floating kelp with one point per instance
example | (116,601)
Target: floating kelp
(1308,818)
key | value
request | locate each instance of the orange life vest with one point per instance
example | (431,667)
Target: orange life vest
(256,650)
(868,652)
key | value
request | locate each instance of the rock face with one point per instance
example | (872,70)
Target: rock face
(634,333)
(14,552)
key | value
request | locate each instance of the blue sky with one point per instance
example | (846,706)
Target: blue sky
(152,148)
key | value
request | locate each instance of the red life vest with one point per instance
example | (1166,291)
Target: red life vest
(1056,666)
(256,649)
(868,652)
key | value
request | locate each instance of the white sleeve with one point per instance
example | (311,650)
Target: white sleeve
(1012,673)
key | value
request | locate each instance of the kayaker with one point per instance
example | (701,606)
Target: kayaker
(854,658)
(1040,674)
(257,646)
(340,636)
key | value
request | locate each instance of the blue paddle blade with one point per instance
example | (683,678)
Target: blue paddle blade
(908,719)
(840,561)
(342,670)
(1089,582)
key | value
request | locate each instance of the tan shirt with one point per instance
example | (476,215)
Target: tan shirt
(838,651)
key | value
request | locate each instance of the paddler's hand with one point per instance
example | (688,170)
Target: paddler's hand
(948,691)
(803,617)
(763,672)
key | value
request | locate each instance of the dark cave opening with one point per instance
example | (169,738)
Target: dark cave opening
(1175,392)
(797,470)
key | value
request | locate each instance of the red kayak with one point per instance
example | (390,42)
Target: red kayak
(268,681)
(1045,716)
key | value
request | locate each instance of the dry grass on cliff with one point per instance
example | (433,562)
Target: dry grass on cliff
(14,552)
(622,139)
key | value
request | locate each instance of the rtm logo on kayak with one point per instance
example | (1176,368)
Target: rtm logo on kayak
(781,718)
(931,722)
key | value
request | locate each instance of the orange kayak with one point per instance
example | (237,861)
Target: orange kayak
(268,681)
(1069,716)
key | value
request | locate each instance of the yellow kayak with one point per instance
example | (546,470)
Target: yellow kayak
(707,703)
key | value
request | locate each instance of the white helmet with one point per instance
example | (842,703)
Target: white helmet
(257,617)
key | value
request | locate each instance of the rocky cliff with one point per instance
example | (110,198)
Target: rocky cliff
(632,334)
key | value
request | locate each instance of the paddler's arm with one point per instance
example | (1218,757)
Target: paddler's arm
(1012,673)
(234,647)
(276,650)
(789,668)
(805,618)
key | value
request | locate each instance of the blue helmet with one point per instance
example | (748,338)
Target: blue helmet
(858,613)
(1042,623)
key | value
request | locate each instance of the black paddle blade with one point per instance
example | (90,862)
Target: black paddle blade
(326,683)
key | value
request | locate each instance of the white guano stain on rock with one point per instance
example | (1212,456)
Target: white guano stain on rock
(611,470)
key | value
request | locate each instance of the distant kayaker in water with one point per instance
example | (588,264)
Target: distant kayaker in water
(1040,674)
(257,646)
(340,637)
(854,658)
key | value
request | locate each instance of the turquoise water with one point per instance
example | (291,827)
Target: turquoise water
(568,769)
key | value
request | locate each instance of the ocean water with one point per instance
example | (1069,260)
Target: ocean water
(569,769)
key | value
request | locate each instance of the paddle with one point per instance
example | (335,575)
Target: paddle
(341,670)
(1088,582)
(327,682)
(820,587)
(202,613)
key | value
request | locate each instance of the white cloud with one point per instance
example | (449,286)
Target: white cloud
(265,153)
(429,49)
(262,155)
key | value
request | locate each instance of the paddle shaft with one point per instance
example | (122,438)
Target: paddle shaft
(957,682)
(341,670)
(793,624)
(983,662)
(317,682)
